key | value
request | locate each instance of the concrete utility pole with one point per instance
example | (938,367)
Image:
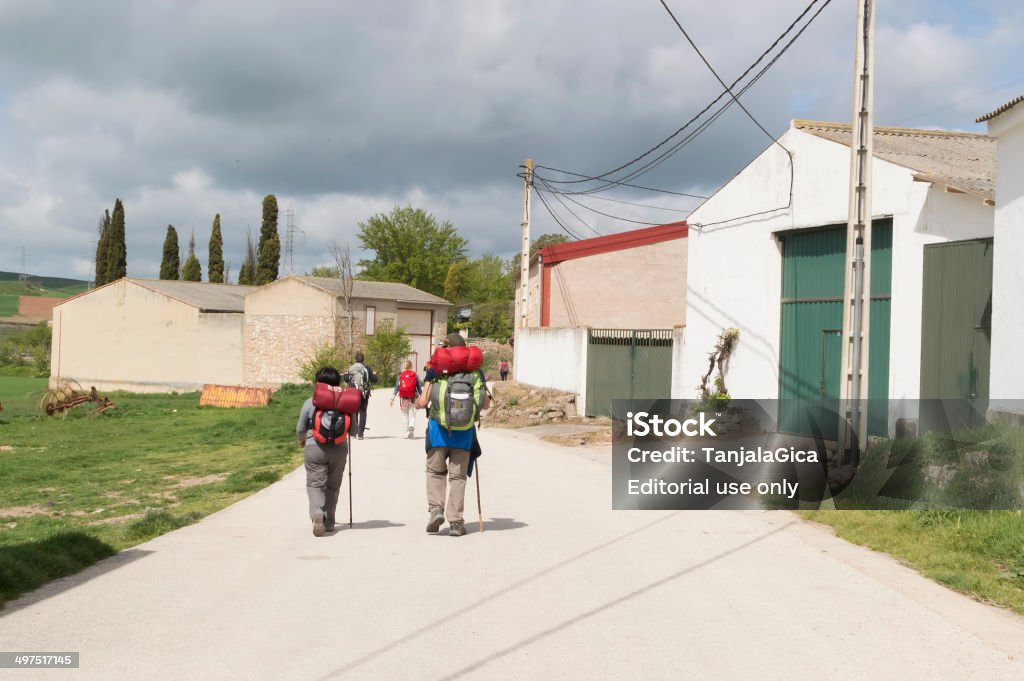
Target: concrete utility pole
(857,314)
(524,265)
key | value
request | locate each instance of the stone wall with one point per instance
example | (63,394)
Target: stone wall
(276,344)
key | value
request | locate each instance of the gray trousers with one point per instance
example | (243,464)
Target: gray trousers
(325,467)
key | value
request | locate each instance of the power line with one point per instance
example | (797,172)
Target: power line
(690,122)
(555,217)
(573,213)
(715,73)
(594,210)
(620,184)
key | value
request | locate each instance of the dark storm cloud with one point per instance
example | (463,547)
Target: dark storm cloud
(188,108)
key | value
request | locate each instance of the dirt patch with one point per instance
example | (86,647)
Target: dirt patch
(117,519)
(205,480)
(596,437)
(6,448)
(24,511)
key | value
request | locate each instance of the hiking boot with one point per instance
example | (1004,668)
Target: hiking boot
(359,437)
(435,522)
(458,529)
(410,433)
(318,524)
(329,525)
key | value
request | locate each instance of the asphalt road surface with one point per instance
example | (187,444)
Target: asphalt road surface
(558,586)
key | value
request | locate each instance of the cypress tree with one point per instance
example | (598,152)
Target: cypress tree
(100,276)
(215,266)
(170,266)
(269,251)
(247,274)
(117,251)
(192,270)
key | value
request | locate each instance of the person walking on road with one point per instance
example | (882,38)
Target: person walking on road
(363,377)
(407,388)
(448,444)
(325,463)
(504,369)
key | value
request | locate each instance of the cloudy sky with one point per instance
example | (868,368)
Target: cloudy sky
(186,108)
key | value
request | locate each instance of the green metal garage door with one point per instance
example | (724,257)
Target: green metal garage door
(810,362)
(627,364)
(956,328)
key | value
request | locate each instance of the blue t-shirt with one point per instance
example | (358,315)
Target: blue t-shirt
(439,436)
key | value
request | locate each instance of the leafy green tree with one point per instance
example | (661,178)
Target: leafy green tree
(453,283)
(410,247)
(385,349)
(170,266)
(492,320)
(247,274)
(269,251)
(328,271)
(488,279)
(215,263)
(117,250)
(192,270)
(100,276)
(323,355)
(547,240)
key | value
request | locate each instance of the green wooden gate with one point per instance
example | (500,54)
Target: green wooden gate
(810,361)
(627,364)
(956,329)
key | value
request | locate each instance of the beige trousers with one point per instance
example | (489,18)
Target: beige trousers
(445,462)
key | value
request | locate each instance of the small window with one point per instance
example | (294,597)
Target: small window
(371,319)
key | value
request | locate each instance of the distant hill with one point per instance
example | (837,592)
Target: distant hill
(50,287)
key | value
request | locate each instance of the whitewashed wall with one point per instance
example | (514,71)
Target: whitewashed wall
(1008,261)
(735,268)
(553,358)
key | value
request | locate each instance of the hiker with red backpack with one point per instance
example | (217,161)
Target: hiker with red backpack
(323,430)
(454,394)
(407,389)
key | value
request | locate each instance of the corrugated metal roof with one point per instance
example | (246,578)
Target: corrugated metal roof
(377,290)
(960,160)
(1001,110)
(207,297)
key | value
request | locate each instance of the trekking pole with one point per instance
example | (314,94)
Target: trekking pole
(350,483)
(479,511)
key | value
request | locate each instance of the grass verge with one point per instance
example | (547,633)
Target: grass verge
(74,490)
(979,553)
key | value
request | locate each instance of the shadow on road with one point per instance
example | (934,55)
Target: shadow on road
(494,525)
(30,567)
(367,525)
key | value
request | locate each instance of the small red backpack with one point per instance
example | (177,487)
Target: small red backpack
(407,385)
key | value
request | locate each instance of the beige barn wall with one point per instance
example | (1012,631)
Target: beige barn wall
(285,322)
(643,287)
(126,337)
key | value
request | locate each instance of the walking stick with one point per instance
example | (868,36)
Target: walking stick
(479,511)
(350,483)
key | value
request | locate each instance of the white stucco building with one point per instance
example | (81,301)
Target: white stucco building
(767,256)
(1006,124)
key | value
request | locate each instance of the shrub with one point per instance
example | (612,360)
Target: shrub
(385,350)
(325,354)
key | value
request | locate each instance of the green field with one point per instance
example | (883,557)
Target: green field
(74,490)
(8,305)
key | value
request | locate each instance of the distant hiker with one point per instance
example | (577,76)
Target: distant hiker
(407,389)
(504,369)
(362,377)
(453,395)
(324,434)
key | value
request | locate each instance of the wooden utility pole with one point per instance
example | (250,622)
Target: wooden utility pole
(524,264)
(857,293)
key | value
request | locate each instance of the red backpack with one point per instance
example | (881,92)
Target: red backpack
(407,385)
(334,408)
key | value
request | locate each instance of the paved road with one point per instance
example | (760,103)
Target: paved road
(557,587)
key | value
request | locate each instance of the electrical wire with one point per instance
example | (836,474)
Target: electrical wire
(565,229)
(602,176)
